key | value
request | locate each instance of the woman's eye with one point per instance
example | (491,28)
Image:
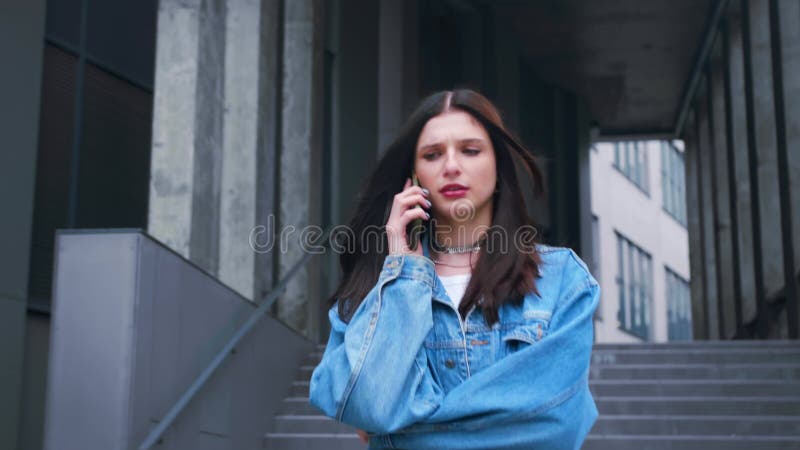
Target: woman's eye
(430,156)
(471,151)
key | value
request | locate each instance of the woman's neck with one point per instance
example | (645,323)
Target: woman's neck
(453,233)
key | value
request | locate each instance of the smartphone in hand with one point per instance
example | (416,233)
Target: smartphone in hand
(416,225)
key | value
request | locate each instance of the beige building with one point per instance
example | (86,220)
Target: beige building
(641,242)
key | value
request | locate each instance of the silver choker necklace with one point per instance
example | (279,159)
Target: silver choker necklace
(472,248)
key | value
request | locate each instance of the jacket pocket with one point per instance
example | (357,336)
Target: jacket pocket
(519,336)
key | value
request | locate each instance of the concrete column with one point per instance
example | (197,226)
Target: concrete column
(790,47)
(744,223)
(390,71)
(693,211)
(358,108)
(788,25)
(187,129)
(706,192)
(766,147)
(21,41)
(300,156)
(249,138)
(724,238)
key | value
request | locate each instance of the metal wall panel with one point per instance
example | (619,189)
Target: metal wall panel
(134,324)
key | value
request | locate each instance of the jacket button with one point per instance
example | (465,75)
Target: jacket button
(450,363)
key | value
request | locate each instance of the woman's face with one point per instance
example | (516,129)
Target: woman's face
(455,160)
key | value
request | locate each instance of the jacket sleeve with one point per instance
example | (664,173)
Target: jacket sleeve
(374,373)
(538,395)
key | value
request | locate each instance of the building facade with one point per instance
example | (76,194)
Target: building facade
(641,241)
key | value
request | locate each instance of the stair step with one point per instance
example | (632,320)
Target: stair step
(696,356)
(755,371)
(760,371)
(668,357)
(609,424)
(744,344)
(720,405)
(299,389)
(735,406)
(736,388)
(335,441)
(296,423)
(698,388)
(657,442)
(702,395)
(324,441)
(313,441)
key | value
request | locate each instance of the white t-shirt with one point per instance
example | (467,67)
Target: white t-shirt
(455,285)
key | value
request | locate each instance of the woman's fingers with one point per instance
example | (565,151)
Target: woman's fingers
(407,205)
(415,213)
(363,436)
(410,191)
(413,200)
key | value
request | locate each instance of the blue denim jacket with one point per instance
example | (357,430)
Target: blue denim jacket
(411,373)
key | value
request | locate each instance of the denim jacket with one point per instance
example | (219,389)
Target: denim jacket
(411,373)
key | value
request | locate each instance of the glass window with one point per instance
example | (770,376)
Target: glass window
(679,308)
(634,283)
(673,182)
(631,159)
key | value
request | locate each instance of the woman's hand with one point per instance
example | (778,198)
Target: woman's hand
(363,436)
(405,208)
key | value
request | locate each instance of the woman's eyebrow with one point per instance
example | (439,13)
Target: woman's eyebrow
(462,142)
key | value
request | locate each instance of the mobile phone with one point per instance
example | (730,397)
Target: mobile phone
(416,225)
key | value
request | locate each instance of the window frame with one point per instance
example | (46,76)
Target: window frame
(635,288)
(679,308)
(673,174)
(631,160)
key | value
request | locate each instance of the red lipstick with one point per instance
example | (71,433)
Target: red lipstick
(454,190)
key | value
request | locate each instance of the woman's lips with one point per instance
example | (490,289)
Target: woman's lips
(455,193)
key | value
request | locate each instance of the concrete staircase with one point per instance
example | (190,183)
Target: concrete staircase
(695,395)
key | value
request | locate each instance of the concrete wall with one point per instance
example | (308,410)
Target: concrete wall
(21,46)
(32,406)
(134,324)
(743,172)
(621,206)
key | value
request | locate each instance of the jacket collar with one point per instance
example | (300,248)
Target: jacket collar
(439,293)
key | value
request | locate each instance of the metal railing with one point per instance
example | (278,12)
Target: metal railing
(155,434)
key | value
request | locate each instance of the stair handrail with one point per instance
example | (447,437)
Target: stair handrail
(177,408)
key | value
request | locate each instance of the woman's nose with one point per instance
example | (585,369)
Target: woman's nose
(451,164)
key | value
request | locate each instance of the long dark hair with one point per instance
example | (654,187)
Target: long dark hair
(498,276)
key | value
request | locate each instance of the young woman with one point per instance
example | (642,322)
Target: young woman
(476,338)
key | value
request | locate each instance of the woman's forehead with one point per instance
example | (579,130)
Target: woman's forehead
(452,125)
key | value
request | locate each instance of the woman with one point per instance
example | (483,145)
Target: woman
(476,338)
